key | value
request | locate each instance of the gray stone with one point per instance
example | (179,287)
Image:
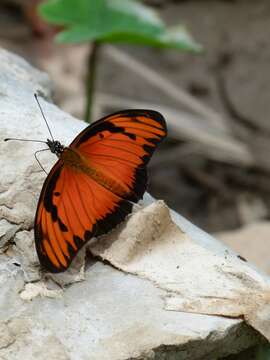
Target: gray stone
(7,232)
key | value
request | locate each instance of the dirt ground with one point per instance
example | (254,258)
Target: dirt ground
(231,75)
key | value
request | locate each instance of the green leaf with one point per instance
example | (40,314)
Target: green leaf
(115,21)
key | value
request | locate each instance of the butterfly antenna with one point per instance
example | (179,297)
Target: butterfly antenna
(39,141)
(36,97)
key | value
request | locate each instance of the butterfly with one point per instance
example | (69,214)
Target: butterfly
(94,184)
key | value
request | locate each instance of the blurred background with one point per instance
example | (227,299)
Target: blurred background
(212,83)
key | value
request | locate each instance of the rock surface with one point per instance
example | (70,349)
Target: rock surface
(95,311)
(251,242)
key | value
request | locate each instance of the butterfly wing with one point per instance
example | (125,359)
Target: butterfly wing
(77,205)
(121,145)
(72,209)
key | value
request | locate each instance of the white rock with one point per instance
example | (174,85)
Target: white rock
(33,290)
(111,314)
(24,252)
(251,242)
(7,232)
(196,280)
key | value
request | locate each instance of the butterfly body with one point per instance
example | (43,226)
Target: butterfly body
(55,146)
(94,184)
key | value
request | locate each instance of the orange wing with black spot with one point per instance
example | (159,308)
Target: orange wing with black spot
(82,201)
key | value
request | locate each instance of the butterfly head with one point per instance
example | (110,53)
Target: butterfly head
(55,146)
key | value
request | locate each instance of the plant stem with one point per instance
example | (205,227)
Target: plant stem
(90,80)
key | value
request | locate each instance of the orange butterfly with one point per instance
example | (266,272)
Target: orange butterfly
(94,184)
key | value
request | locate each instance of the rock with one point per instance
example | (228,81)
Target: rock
(153,247)
(7,232)
(33,290)
(24,252)
(23,341)
(114,314)
(250,242)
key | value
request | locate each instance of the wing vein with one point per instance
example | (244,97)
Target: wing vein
(126,162)
(118,148)
(124,120)
(82,202)
(74,209)
(122,133)
(49,240)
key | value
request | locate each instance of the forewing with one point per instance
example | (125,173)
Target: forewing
(121,145)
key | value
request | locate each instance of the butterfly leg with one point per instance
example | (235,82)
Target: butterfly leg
(38,159)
